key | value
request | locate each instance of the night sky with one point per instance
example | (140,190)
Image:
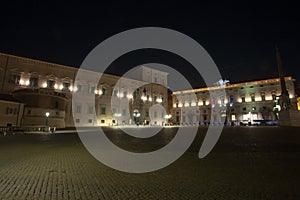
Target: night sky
(240,37)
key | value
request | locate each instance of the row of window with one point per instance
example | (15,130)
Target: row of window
(11,111)
(222,101)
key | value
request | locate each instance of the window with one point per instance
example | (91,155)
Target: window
(79,88)
(15,111)
(155,114)
(263,97)
(243,99)
(78,108)
(102,121)
(90,121)
(56,104)
(92,89)
(253,98)
(66,85)
(115,93)
(231,99)
(15,79)
(104,91)
(233,118)
(33,81)
(113,110)
(77,121)
(222,101)
(204,117)
(244,109)
(204,102)
(273,96)
(147,114)
(103,111)
(50,84)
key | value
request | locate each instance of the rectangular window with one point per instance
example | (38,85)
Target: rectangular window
(104,91)
(77,121)
(66,85)
(79,88)
(113,111)
(204,103)
(274,97)
(103,111)
(233,118)
(15,111)
(252,98)
(56,104)
(231,99)
(92,89)
(243,99)
(263,97)
(15,79)
(78,108)
(33,81)
(90,121)
(50,84)
(102,121)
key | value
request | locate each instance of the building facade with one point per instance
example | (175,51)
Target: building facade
(243,102)
(49,88)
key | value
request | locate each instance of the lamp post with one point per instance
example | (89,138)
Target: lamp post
(167,117)
(47,115)
(136,115)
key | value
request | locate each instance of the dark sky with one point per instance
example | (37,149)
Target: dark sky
(240,36)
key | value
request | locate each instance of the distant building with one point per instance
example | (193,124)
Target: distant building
(243,102)
(47,88)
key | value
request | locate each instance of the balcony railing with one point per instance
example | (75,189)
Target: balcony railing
(46,91)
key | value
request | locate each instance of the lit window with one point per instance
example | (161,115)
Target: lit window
(33,81)
(50,84)
(253,98)
(243,99)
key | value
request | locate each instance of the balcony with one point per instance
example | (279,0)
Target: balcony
(42,91)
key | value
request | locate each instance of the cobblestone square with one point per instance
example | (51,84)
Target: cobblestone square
(246,163)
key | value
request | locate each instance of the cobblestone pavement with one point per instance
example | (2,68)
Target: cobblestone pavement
(247,163)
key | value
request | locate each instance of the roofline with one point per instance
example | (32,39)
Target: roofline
(272,80)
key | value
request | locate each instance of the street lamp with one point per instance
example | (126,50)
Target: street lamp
(167,117)
(136,115)
(47,115)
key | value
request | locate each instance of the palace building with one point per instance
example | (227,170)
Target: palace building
(40,94)
(242,102)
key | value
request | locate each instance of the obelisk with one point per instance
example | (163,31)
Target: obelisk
(287,115)
(285,102)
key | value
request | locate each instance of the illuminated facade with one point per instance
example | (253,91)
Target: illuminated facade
(243,102)
(47,88)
